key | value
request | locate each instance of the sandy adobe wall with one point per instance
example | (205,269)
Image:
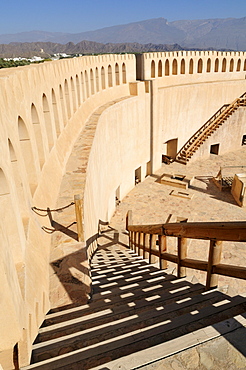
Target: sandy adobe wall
(120,147)
(188,87)
(43,110)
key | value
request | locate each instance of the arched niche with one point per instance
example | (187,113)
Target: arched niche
(175,67)
(167,68)
(38,134)
(92,82)
(62,104)
(74,97)
(160,68)
(152,69)
(87,85)
(231,65)
(97,80)
(216,65)
(224,65)
(124,73)
(27,154)
(66,91)
(117,74)
(55,112)
(103,78)
(182,67)
(82,86)
(199,66)
(78,90)
(110,76)
(47,121)
(208,70)
(191,64)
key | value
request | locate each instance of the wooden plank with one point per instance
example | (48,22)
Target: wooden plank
(162,249)
(78,200)
(238,272)
(195,264)
(224,231)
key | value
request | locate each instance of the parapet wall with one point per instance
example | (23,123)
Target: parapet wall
(43,111)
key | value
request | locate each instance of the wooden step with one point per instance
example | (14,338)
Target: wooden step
(143,338)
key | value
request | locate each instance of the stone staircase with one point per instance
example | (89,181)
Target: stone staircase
(137,314)
(214,122)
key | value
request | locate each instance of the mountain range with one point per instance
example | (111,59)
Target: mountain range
(220,34)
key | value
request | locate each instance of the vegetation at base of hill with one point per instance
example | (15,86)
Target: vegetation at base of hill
(12,63)
(18,63)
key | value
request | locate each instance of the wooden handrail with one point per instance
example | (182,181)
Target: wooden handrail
(224,231)
(145,238)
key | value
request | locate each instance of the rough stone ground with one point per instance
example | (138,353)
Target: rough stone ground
(224,353)
(152,203)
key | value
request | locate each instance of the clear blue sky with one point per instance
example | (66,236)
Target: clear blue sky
(74,16)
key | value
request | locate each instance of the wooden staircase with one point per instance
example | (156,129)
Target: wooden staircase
(214,122)
(137,313)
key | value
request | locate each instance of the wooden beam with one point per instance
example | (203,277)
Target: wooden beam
(238,272)
(162,241)
(182,254)
(78,200)
(214,257)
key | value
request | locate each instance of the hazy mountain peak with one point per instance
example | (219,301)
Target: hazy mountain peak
(228,33)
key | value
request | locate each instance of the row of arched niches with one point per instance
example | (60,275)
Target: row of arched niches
(35,135)
(174,66)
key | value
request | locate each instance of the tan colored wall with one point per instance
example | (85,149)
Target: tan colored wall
(120,146)
(43,109)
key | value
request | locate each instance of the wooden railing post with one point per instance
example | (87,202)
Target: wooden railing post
(78,200)
(145,243)
(182,254)
(130,239)
(128,219)
(135,242)
(162,239)
(214,257)
(140,245)
(152,245)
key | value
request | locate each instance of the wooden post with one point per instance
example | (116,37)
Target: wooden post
(128,219)
(78,200)
(138,243)
(145,242)
(214,257)
(182,254)
(140,246)
(152,245)
(162,239)
(130,239)
(135,241)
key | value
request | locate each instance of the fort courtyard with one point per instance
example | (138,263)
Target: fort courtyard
(84,141)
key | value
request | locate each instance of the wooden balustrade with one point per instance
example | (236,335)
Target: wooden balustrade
(150,241)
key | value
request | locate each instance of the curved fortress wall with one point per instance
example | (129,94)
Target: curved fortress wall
(43,111)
